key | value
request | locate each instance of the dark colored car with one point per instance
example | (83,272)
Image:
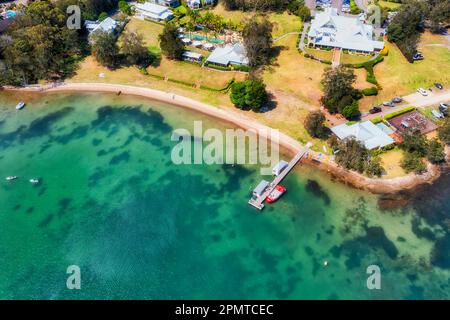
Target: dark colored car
(397,100)
(375,110)
(439,86)
(418,56)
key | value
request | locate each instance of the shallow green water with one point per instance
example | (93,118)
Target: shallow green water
(112,202)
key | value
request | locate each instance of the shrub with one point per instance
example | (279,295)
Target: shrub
(412,162)
(374,167)
(435,152)
(249,94)
(373,91)
(397,113)
(444,132)
(315,125)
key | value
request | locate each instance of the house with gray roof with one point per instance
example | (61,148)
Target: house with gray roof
(230,54)
(331,30)
(365,132)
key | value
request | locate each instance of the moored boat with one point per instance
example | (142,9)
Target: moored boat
(276,194)
(20,105)
(11,178)
(34,181)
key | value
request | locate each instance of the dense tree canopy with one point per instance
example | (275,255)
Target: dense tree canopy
(435,151)
(444,132)
(339,94)
(258,40)
(105,49)
(413,162)
(413,141)
(352,155)
(171,45)
(38,45)
(134,50)
(261,5)
(315,125)
(249,94)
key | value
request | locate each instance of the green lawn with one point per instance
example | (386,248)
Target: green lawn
(389,5)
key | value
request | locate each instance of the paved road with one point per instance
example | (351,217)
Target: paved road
(301,44)
(417,100)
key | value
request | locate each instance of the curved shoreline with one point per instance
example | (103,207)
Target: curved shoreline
(378,186)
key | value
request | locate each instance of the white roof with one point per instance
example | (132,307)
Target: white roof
(331,29)
(192,54)
(107,25)
(366,132)
(234,54)
(152,8)
(260,187)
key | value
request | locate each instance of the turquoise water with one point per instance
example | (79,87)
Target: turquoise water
(112,202)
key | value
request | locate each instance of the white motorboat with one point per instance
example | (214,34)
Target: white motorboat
(34,181)
(11,178)
(20,105)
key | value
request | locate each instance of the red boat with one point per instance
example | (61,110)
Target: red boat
(276,194)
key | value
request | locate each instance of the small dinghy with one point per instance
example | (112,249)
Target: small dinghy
(11,178)
(34,181)
(20,105)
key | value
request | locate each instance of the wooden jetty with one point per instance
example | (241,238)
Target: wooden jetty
(256,201)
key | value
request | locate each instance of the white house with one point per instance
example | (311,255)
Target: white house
(230,54)
(194,4)
(328,29)
(153,11)
(107,25)
(366,132)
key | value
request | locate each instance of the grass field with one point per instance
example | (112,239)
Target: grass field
(389,5)
(399,77)
(391,163)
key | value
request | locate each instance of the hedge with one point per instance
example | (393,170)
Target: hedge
(397,113)
(373,91)
(376,120)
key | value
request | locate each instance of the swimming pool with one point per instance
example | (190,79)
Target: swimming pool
(10,14)
(384,128)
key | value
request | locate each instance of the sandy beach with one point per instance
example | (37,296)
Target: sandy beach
(374,185)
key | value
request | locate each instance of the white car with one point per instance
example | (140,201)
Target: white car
(422,91)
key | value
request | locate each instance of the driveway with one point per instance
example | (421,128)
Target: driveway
(417,100)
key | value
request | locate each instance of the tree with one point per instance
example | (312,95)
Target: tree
(315,125)
(405,27)
(134,50)
(249,94)
(125,7)
(171,45)
(304,13)
(258,40)
(102,16)
(38,45)
(413,141)
(351,111)
(435,152)
(339,92)
(412,162)
(105,49)
(352,155)
(444,132)
(374,167)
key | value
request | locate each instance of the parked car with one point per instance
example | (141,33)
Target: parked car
(437,114)
(375,110)
(422,91)
(417,56)
(439,86)
(397,100)
(388,104)
(444,108)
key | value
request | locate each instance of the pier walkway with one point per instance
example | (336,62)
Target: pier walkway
(257,202)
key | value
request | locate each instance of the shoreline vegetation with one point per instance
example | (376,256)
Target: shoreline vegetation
(292,146)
